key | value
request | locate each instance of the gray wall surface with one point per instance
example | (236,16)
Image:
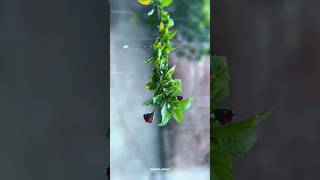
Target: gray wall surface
(53,89)
(273,50)
(134,146)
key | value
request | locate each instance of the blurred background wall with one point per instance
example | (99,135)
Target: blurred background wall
(53,89)
(272,47)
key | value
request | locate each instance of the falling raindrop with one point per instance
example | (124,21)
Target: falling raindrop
(125,46)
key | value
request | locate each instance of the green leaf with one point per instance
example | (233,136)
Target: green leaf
(220,163)
(171,71)
(219,81)
(184,104)
(158,98)
(164,15)
(240,128)
(159,51)
(240,144)
(177,87)
(171,35)
(165,3)
(165,115)
(213,126)
(148,102)
(170,23)
(151,86)
(168,46)
(177,114)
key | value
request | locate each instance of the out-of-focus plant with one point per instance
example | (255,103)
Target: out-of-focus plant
(227,140)
(194,25)
(107,169)
(167,91)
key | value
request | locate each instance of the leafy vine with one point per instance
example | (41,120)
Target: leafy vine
(167,91)
(227,140)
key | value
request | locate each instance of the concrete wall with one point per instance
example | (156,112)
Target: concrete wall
(134,143)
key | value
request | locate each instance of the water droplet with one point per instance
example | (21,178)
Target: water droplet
(125,46)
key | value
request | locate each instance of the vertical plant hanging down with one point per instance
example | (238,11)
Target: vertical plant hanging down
(227,140)
(167,91)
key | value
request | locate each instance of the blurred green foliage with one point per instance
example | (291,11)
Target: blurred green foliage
(227,141)
(193,23)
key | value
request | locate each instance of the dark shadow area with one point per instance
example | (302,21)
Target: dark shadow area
(272,48)
(53,89)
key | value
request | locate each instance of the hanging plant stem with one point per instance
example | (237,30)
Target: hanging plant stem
(167,91)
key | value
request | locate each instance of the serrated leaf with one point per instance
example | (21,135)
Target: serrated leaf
(220,163)
(165,3)
(165,115)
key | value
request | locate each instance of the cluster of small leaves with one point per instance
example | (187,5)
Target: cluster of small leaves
(167,90)
(229,140)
